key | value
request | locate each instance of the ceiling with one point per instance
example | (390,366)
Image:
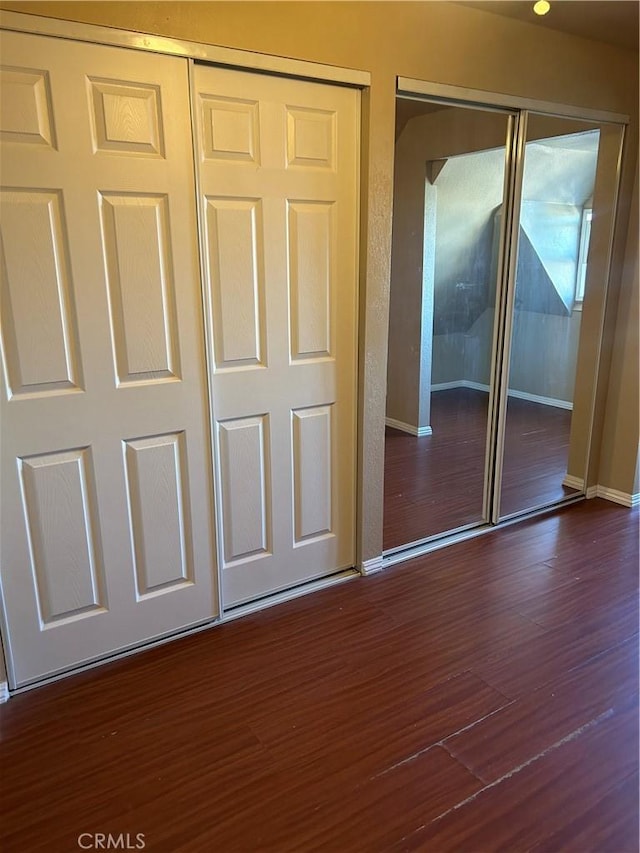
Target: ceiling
(611,21)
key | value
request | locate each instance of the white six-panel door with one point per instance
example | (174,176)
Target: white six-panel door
(277,166)
(106,474)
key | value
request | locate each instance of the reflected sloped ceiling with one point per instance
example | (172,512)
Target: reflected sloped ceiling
(552,233)
(535,291)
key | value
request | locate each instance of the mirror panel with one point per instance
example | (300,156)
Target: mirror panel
(547,410)
(448,194)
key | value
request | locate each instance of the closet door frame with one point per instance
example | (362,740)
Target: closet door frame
(519,108)
(245,61)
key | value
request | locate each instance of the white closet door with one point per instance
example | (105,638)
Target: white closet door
(106,494)
(278,170)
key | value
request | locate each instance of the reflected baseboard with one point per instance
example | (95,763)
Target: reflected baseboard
(544,401)
(460,383)
(572,482)
(410,428)
(520,395)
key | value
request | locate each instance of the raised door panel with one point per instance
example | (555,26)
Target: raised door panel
(107,538)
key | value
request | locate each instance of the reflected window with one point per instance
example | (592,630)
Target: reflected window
(585,236)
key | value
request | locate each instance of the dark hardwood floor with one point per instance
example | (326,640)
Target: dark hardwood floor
(481,698)
(435,483)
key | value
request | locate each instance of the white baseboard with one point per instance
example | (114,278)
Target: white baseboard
(460,383)
(545,401)
(410,428)
(521,395)
(4,692)
(371,567)
(592,492)
(618,497)
(572,482)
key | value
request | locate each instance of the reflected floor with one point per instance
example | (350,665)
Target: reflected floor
(536,451)
(435,483)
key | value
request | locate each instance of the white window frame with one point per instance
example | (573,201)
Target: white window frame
(583,256)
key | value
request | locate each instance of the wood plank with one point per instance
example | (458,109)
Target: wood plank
(533,802)
(434,483)
(495,745)
(352,719)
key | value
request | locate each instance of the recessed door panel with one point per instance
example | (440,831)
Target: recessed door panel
(106,473)
(277,184)
(244,472)
(126,117)
(58,493)
(236,273)
(26,106)
(137,254)
(311,241)
(312,451)
(159,511)
(39,332)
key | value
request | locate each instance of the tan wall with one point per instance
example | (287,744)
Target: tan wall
(3,672)
(439,42)
(621,423)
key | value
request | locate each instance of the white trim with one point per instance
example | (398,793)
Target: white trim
(591,492)
(410,86)
(4,692)
(242,59)
(521,395)
(410,428)
(287,595)
(618,497)
(460,383)
(572,482)
(544,401)
(373,566)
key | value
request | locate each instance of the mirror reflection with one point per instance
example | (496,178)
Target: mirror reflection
(448,191)
(459,452)
(560,165)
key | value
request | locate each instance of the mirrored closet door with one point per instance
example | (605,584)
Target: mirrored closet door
(496,310)
(554,311)
(450,170)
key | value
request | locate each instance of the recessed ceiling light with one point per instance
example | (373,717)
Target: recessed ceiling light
(541,7)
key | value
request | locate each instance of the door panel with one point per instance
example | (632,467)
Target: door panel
(106,493)
(278,195)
